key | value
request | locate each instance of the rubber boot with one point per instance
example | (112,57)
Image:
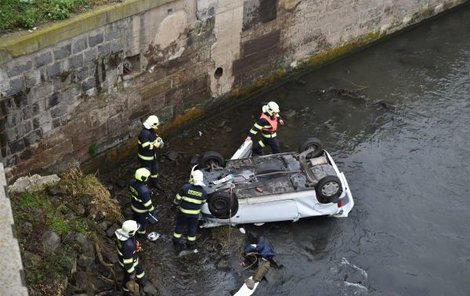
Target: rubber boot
(191,245)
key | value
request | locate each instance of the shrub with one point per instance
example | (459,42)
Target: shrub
(26,14)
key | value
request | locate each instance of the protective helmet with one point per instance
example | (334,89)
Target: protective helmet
(151,122)
(142,174)
(197,178)
(130,227)
(273,107)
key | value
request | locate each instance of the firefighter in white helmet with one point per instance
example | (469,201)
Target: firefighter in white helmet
(148,143)
(267,124)
(189,201)
(128,248)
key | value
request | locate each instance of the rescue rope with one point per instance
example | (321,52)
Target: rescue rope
(254,261)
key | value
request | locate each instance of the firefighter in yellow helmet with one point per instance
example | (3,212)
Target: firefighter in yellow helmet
(148,143)
(267,124)
(141,202)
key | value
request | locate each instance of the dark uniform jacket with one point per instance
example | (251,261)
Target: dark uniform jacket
(190,199)
(140,195)
(147,149)
(127,254)
(267,125)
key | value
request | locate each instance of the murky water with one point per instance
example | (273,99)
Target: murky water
(403,145)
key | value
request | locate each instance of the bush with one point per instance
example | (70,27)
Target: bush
(26,14)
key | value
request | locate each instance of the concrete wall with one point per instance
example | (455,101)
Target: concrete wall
(78,89)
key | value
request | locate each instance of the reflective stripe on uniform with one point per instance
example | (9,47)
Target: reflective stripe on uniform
(127,261)
(147,203)
(140,275)
(145,157)
(190,212)
(154,176)
(176,235)
(191,238)
(273,135)
(138,210)
(145,144)
(178,196)
(192,200)
(261,143)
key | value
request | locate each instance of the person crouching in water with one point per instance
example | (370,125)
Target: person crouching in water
(189,201)
(259,256)
(128,248)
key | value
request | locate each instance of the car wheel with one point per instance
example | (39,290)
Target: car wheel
(328,189)
(211,160)
(314,144)
(222,205)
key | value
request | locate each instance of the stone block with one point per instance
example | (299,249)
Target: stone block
(90,55)
(116,46)
(75,61)
(88,84)
(79,45)
(16,85)
(63,52)
(54,70)
(32,137)
(32,78)
(43,59)
(42,91)
(104,49)
(17,146)
(18,67)
(53,100)
(58,111)
(95,39)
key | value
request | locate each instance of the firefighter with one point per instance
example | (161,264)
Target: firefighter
(128,248)
(189,201)
(141,202)
(148,143)
(267,124)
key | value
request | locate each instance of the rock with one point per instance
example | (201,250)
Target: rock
(31,259)
(84,245)
(351,273)
(150,289)
(27,228)
(33,183)
(172,155)
(86,262)
(50,241)
(104,225)
(111,230)
(289,114)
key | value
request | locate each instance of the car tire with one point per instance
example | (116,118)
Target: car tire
(211,159)
(312,143)
(329,189)
(222,205)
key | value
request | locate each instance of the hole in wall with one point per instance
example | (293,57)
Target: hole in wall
(218,72)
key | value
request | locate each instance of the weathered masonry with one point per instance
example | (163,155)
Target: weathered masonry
(78,89)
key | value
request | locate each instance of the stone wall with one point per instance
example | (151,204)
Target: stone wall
(77,90)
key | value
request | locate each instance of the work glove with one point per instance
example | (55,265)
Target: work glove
(281,122)
(132,276)
(158,143)
(248,138)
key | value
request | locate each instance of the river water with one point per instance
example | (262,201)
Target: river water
(400,134)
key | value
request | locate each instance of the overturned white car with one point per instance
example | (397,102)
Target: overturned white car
(276,187)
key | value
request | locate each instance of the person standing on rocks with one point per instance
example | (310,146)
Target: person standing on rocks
(148,144)
(141,202)
(267,124)
(189,201)
(128,249)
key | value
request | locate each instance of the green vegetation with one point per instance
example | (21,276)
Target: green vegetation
(26,14)
(71,209)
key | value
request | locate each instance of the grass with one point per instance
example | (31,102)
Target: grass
(26,14)
(75,204)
